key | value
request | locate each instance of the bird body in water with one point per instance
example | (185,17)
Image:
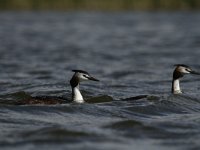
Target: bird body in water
(79,76)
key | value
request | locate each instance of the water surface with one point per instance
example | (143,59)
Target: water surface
(131,53)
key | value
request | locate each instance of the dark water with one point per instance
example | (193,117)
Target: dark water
(131,53)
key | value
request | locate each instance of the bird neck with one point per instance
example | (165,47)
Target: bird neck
(176,86)
(76,95)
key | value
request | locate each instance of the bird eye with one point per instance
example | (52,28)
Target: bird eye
(85,76)
(188,70)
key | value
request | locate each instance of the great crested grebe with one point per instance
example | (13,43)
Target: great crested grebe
(178,73)
(79,76)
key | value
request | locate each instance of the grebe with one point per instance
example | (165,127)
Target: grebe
(79,76)
(178,73)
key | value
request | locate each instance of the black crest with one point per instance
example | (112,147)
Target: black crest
(181,65)
(80,71)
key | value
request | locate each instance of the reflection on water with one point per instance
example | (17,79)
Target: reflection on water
(131,53)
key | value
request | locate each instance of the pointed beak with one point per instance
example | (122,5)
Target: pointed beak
(92,78)
(194,72)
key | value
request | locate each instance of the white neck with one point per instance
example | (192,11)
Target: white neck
(76,95)
(176,87)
